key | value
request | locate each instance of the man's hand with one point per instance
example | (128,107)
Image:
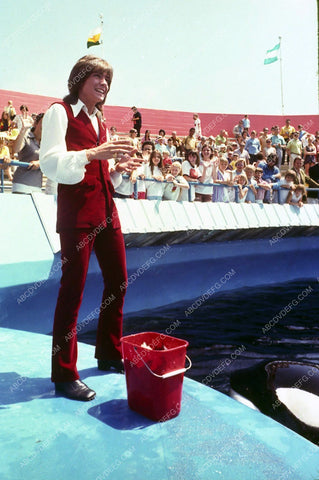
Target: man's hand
(109,150)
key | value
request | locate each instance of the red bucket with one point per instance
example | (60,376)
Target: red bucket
(154,366)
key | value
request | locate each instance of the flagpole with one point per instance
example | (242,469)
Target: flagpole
(102,48)
(281,84)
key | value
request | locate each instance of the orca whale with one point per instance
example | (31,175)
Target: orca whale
(287,391)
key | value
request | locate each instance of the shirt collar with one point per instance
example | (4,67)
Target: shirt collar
(81,106)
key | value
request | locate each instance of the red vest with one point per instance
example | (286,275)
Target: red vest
(89,203)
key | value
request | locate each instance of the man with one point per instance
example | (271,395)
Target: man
(137,120)
(178,143)
(221,138)
(133,138)
(190,141)
(238,129)
(242,152)
(294,149)
(246,122)
(252,146)
(286,131)
(74,152)
(279,143)
(263,137)
(303,179)
(313,197)
(197,125)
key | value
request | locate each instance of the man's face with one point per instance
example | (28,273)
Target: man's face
(298,163)
(147,149)
(192,131)
(94,89)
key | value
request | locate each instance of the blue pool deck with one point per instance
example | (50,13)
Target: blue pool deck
(44,437)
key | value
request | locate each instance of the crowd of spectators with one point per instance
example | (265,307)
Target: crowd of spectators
(276,166)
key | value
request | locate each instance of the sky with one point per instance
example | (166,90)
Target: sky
(204,55)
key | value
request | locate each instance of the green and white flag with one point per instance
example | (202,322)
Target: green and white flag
(271,55)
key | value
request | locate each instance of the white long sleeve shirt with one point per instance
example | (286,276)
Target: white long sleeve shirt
(56,162)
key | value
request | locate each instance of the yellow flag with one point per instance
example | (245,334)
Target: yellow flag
(95,37)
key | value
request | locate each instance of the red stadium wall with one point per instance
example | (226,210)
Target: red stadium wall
(169,120)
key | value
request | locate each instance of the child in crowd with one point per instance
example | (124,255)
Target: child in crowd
(241,181)
(285,185)
(223,176)
(167,162)
(191,172)
(176,183)
(154,190)
(262,184)
(295,197)
(251,183)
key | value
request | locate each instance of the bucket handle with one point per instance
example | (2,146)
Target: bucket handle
(165,375)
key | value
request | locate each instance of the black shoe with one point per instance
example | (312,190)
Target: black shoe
(76,390)
(107,365)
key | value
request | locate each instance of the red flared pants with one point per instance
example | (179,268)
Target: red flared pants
(76,247)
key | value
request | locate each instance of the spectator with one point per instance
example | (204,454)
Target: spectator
(263,137)
(154,189)
(201,144)
(310,155)
(278,142)
(251,184)
(113,135)
(5,156)
(190,141)
(246,122)
(304,139)
(223,177)
(197,125)
(167,162)
(171,148)
(285,185)
(176,183)
(286,131)
(148,148)
(293,149)
(301,177)
(301,131)
(242,152)
(221,138)
(134,138)
(295,197)
(206,168)
(252,146)
(191,172)
(147,136)
(160,145)
(262,185)
(268,149)
(10,110)
(314,175)
(245,136)
(239,167)
(211,142)
(24,115)
(271,174)
(178,143)
(241,181)
(316,144)
(27,145)
(137,120)
(162,133)
(238,129)
(5,122)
